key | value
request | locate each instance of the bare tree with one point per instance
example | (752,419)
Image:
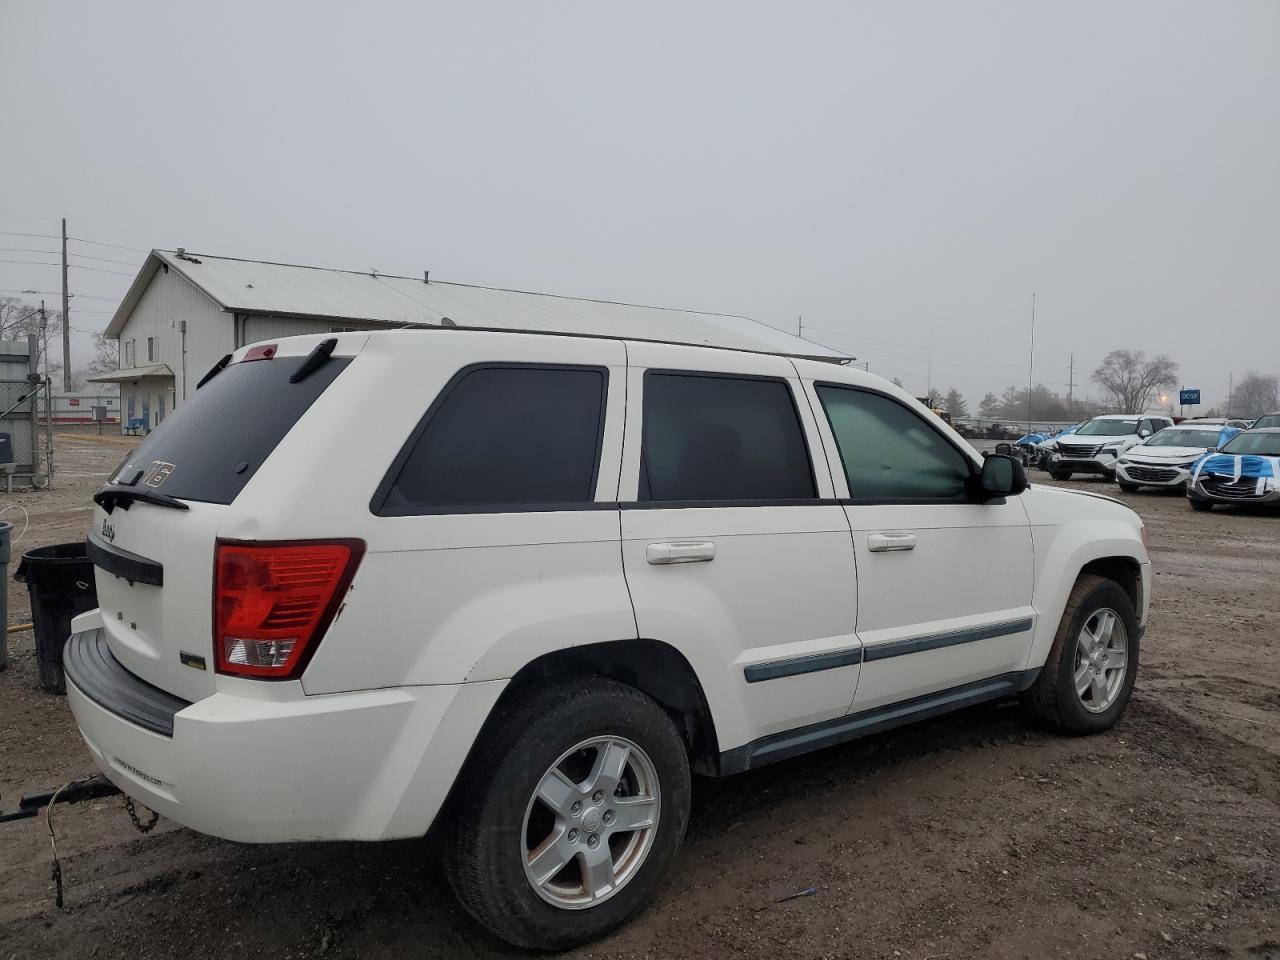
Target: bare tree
(1128,378)
(1255,395)
(106,355)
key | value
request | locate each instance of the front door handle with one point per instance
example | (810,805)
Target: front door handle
(680,551)
(890,542)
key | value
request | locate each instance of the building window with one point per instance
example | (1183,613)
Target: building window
(129,357)
(335,329)
(153,351)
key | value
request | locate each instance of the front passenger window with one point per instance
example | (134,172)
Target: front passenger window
(889,452)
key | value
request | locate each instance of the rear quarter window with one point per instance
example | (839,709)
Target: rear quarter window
(212,445)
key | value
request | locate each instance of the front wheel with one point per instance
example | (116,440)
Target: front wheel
(1088,677)
(1059,474)
(1198,504)
(1128,487)
(569,813)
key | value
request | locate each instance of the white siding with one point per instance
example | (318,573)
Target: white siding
(258,328)
(169,299)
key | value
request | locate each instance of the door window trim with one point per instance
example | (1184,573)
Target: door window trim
(790,386)
(378,503)
(851,501)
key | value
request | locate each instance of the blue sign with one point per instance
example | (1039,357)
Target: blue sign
(1188,397)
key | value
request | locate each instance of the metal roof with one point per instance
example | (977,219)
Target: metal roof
(258,287)
(133,373)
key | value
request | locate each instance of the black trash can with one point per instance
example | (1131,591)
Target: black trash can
(60,581)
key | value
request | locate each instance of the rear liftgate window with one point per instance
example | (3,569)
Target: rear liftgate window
(210,446)
(502,437)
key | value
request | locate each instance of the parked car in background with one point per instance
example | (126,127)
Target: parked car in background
(1267,420)
(1096,446)
(1245,470)
(1165,459)
(1219,421)
(555,578)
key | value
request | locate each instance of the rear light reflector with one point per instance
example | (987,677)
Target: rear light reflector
(273,602)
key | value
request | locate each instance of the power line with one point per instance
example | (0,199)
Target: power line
(78,266)
(99,243)
(80,256)
(42,236)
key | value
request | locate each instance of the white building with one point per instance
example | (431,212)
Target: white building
(185,311)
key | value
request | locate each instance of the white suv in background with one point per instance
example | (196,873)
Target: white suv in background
(522,586)
(1165,459)
(1096,446)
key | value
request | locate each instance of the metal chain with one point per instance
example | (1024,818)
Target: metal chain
(133,815)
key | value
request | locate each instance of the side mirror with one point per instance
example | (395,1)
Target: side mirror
(1144,433)
(1001,476)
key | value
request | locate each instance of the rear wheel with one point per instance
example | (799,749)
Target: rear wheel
(1198,504)
(1088,678)
(570,812)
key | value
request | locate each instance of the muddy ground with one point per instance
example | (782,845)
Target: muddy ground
(973,836)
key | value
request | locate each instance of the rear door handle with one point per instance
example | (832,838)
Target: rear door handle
(890,542)
(680,551)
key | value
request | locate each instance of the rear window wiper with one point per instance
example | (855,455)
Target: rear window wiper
(114,495)
(214,371)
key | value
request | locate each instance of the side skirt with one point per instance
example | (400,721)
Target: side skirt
(793,743)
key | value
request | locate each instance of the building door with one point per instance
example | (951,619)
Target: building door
(146,412)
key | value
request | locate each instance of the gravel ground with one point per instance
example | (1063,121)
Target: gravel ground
(973,836)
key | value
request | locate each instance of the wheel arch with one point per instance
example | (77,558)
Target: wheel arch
(653,667)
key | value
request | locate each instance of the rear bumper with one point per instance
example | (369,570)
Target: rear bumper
(272,764)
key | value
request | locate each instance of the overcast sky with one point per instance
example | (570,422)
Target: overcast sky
(898,173)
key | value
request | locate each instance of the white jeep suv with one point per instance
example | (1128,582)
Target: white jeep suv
(522,586)
(1096,446)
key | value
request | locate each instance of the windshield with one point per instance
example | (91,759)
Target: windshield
(1185,438)
(1108,428)
(1270,420)
(1256,444)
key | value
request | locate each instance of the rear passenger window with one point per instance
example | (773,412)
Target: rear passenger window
(504,436)
(889,452)
(710,438)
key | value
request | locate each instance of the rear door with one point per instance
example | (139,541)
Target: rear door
(735,552)
(945,582)
(155,559)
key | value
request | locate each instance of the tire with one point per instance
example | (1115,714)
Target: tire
(497,818)
(1060,474)
(1053,698)
(1128,487)
(1198,504)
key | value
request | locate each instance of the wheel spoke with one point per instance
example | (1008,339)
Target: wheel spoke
(633,813)
(557,792)
(1117,660)
(1106,626)
(1099,690)
(1083,677)
(606,774)
(550,858)
(1085,642)
(597,871)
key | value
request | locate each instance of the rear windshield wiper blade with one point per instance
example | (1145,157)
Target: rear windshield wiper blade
(114,495)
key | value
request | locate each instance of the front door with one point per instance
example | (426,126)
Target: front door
(944,581)
(735,551)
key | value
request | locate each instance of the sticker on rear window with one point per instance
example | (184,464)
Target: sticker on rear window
(158,473)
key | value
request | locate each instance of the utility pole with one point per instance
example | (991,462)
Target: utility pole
(1231,386)
(1071,381)
(66,316)
(1031,365)
(800,325)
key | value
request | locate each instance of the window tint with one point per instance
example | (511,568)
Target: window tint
(505,436)
(215,441)
(889,452)
(722,438)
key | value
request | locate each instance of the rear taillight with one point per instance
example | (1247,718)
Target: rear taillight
(273,601)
